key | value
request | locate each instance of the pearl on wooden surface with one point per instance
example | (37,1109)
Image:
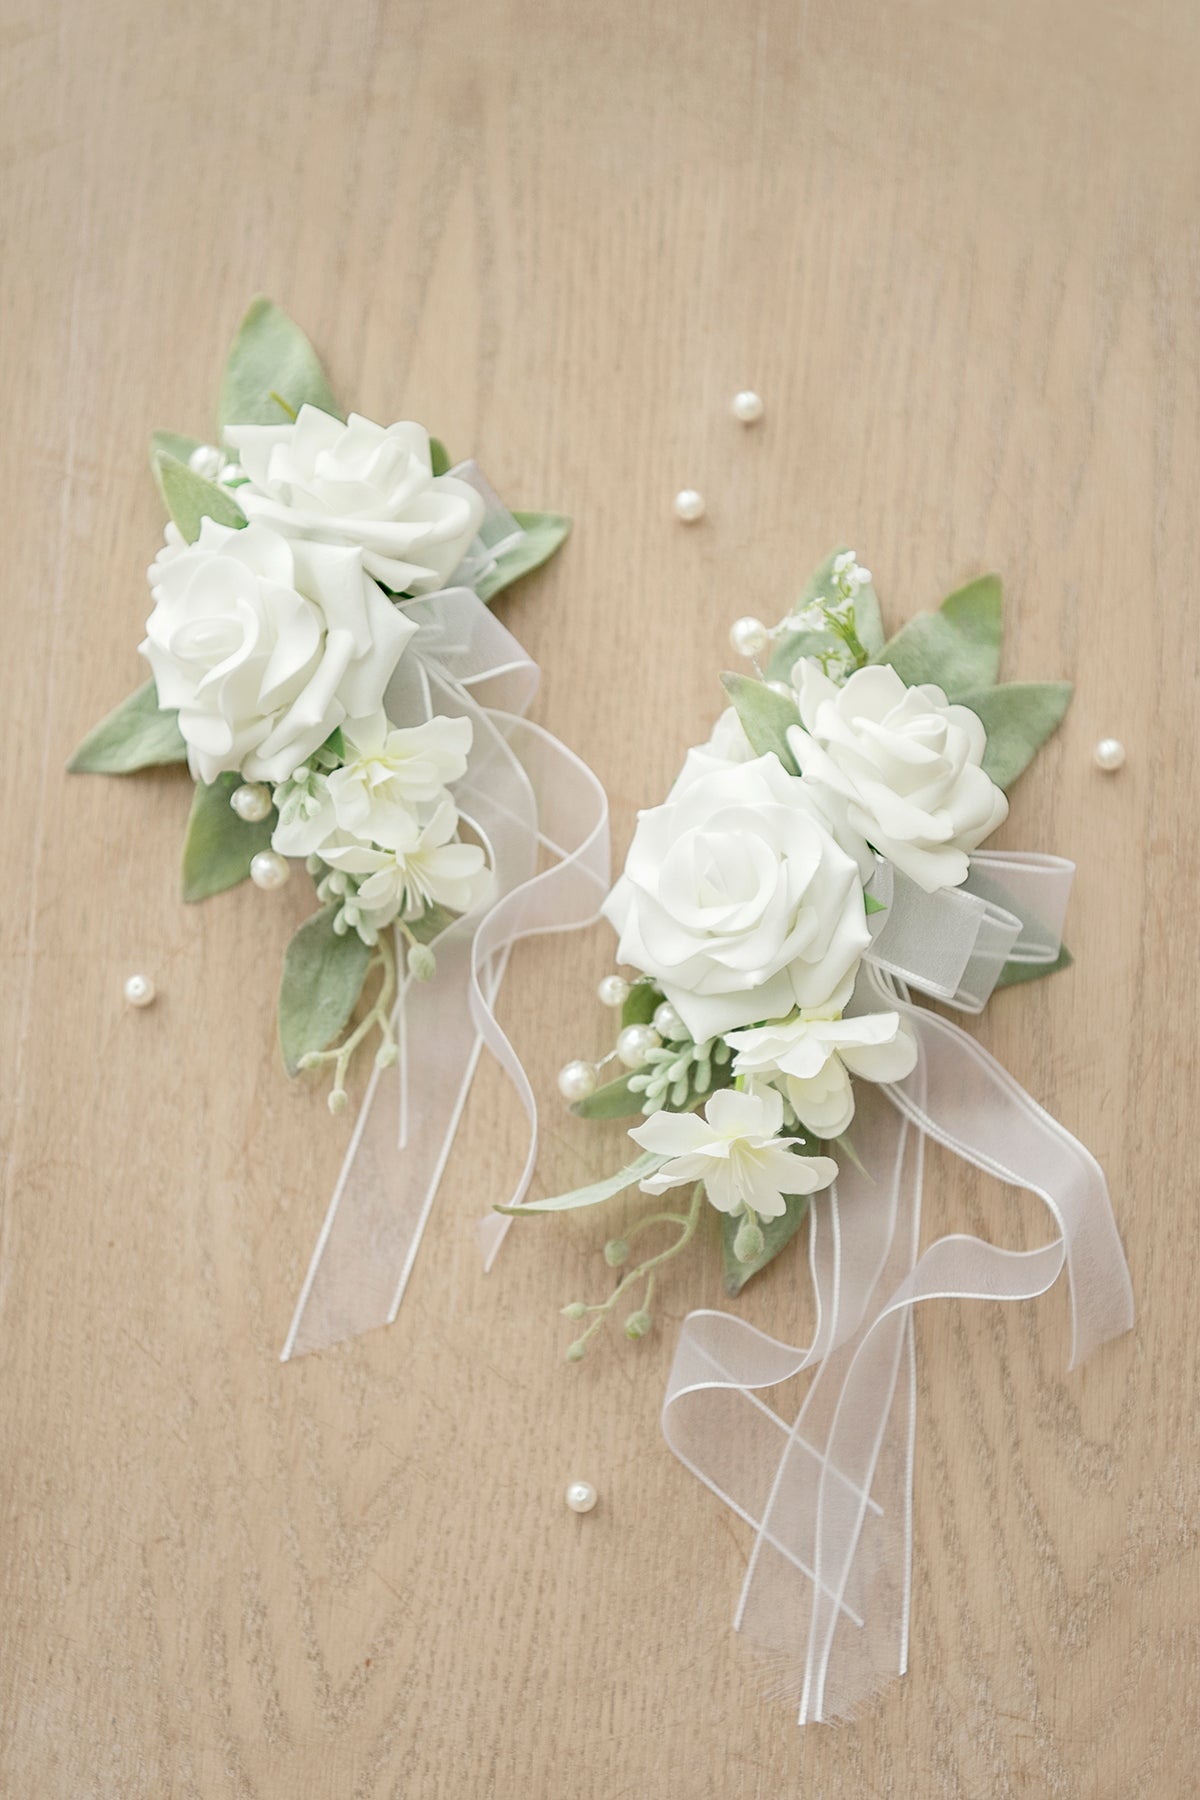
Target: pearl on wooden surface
(269,870)
(581,1496)
(668,1023)
(748,406)
(613,991)
(689,505)
(252,802)
(576,1080)
(1109,754)
(749,637)
(635,1044)
(139,990)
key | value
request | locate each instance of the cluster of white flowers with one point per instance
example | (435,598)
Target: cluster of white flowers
(276,642)
(742,899)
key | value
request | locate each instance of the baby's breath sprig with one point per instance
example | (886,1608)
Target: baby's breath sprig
(678,1075)
(616,1252)
(377,1018)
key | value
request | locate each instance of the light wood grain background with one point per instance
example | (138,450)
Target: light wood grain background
(954,243)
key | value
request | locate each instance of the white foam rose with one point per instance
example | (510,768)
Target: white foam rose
(265,645)
(896,768)
(360,483)
(736,899)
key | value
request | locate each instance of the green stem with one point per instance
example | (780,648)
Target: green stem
(644,1270)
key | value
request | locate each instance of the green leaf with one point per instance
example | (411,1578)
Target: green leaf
(323,976)
(544,532)
(765,717)
(433,921)
(776,1234)
(956,648)
(1013,973)
(219,846)
(872,905)
(790,649)
(646,1164)
(170,443)
(189,497)
(1018,717)
(134,735)
(439,456)
(614,1100)
(271,357)
(641,1003)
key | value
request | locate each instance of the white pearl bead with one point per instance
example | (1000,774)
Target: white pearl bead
(252,801)
(668,1023)
(1109,754)
(581,1496)
(784,689)
(269,870)
(206,460)
(139,990)
(635,1044)
(749,637)
(613,991)
(748,406)
(689,505)
(576,1080)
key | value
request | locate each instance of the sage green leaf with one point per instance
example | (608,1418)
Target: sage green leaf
(777,1233)
(1014,973)
(219,846)
(433,921)
(1018,717)
(323,976)
(640,1004)
(170,443)
(439,456)
(956,648)
(544,532)
(271,361)
(189,497)
(765,717)
(134,735)
(790,649)
(646,1164)
(615,1100)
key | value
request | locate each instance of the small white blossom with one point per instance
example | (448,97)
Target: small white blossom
(735,1149)
(812,1056)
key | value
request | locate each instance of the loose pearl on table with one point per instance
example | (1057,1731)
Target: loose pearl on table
(252,801)
(749,637)
(139,990)
(581,1496)
(689,505)
(668,1023)
(1109,754)
(576,1080)
(269,870)
(613,991)
(748,406)
(635,1044)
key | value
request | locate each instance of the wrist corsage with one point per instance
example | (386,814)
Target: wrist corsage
(323,660)
(816,863)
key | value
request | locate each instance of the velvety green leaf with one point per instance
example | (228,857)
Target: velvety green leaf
(777,1233)
(641,1003)
(219,846)
(189,497)
(645,1164)
(765,717)
(544,532)
(135,735)
(170,443)
(1014,973)
(614,1100)
(439,456)
(433,921)
(271,356)
(1018,717)
(323,976)
(956,648)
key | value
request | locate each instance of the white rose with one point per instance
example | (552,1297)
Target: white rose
(736,899)
(265,645)
(896,768)
(360,483)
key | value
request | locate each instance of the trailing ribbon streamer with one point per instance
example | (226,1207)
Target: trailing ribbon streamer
(524,793)
(828,1585)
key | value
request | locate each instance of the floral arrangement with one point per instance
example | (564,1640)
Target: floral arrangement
(751,896)
(303,554)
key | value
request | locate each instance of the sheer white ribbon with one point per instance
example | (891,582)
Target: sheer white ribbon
(528,799)
(827,1589)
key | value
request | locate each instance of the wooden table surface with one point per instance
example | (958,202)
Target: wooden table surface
(954,244)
